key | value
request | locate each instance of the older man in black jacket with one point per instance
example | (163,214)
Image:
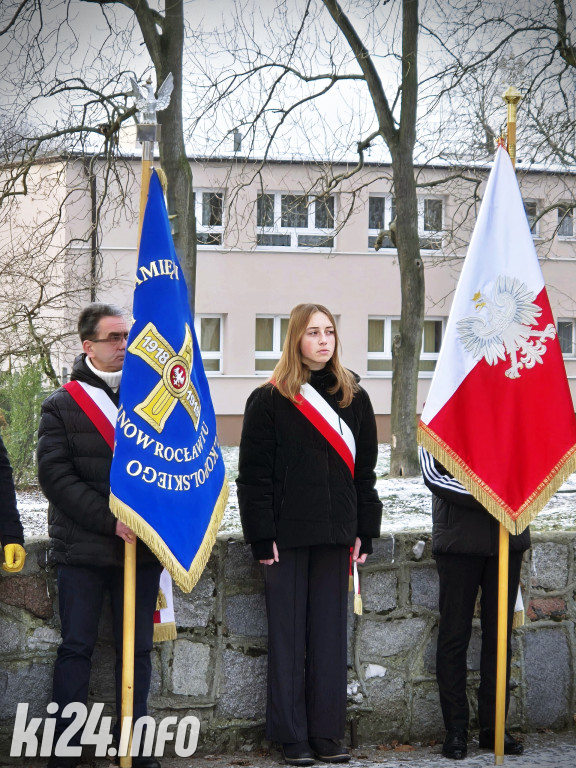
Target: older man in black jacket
(465,543)
(86,540)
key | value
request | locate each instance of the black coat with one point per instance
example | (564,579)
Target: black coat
(293,488)
(10,526)
(74,464)
(460,524)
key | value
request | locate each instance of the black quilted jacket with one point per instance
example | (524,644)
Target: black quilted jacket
(293,488)
(74,472)
(10,525)
(460,524)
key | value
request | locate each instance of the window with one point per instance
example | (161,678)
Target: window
(565,221)
(296,221)
(269,338)
(531,208)
(432,215)
(209,217)
(566,337)
(381,332)
(209,334)
(381,211)
(430,222)
(431,342)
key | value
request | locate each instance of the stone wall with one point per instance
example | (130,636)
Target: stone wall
(216,669)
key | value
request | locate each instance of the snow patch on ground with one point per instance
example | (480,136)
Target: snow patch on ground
(407,504)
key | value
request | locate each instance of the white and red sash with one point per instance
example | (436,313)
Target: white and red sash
(97,406)
(102,413)
(319,413)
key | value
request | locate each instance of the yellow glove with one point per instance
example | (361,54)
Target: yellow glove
(14,556)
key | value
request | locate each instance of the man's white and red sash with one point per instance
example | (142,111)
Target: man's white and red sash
(97,406)
(319,413)
(499,414)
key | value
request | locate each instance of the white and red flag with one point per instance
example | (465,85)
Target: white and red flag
(499,414)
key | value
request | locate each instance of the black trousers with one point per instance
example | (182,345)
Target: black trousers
(460,577)
(307,607)
(80,597)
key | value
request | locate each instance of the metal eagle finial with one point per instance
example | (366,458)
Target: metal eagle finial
(146,103)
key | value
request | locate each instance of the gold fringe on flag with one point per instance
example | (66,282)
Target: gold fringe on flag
(164,632)
(162,178)
(185,579)
(161,601)
(485,495)
(519,619)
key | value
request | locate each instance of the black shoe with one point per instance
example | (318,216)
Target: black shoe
(329,751)
(297,753)
(455,744)
(140,762)
(62,762)
(145,762)
(512,746)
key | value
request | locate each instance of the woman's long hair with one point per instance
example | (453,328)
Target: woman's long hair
(290,372)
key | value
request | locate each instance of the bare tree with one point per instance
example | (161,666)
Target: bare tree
(65,99)
(315,51)
(163,35)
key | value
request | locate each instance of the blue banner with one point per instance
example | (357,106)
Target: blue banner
(168,480)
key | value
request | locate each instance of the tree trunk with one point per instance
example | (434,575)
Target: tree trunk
(407,345)
(172,148)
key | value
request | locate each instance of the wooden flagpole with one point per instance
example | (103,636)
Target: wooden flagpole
(147,134)
(511,97)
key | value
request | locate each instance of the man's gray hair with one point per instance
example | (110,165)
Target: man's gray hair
(92,314)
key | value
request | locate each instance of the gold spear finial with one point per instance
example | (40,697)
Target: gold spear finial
(512,96)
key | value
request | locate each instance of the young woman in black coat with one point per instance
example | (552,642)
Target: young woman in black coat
(307,498)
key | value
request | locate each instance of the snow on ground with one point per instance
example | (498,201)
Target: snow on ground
(406,502)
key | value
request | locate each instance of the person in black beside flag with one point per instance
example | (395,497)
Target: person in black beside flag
(465,543)
(86,540)
(11,532)
(305,502)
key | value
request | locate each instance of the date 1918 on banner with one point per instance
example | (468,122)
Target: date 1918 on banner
(91,729)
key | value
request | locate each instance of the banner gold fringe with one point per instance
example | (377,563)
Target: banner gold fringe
(162,178)
(164,632)
(161,601)
(488,497)
(518,619)
(185,579)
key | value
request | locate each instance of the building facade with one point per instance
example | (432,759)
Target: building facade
(270,236)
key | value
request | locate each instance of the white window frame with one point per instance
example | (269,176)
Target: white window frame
(435,234)
(294,232)
(531,201)
(569,217)
(206,354)
(386,353)
(389,210)
(569,355)
(209,229)
(431,355)
(276,350)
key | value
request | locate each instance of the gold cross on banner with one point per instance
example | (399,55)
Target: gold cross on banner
(174,385)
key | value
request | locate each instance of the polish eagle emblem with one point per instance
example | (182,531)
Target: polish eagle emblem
(504,327)
(146,103)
